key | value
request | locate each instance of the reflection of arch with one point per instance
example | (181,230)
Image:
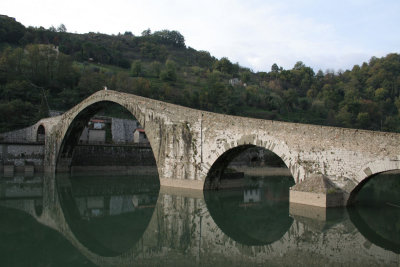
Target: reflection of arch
(112,234)
(38,203)
(216,171)
(252,223)
(78,120)
(374,235)
(40,134)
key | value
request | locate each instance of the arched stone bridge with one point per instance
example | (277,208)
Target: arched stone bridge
(190,145)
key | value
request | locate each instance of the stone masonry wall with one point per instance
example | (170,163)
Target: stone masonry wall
(122,130)
(20,155)
(187,142)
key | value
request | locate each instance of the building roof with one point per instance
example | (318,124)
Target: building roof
(96,120)
(139,130)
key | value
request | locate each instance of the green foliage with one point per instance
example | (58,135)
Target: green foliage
(363,119)
(11,31)
(38,64)
(245,76)
(136,68)
(170,37)
(16,114)
(155,68)
(169,72)
(224,65)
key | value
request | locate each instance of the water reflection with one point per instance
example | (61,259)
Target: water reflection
(23,240)
(120,221)
(257,214)
(379,226)
(377,211)
(108,215)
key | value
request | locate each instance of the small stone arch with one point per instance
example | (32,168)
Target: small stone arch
(41,134)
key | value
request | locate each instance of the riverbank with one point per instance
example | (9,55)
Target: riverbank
(118,170)
(260,171)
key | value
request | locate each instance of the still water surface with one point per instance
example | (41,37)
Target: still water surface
(109,220)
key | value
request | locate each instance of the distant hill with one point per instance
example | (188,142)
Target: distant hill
(51,68)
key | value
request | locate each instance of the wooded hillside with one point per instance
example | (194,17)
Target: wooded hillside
(51,68)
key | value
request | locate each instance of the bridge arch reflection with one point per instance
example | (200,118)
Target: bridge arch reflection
(251,200)
(183,231)
(107,215)
(380,227)
(375,209)
(250,223)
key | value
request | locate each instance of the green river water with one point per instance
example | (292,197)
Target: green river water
(111,220)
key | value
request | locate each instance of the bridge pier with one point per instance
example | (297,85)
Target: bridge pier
(318,190)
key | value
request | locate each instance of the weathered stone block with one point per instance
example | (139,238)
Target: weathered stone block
(318,191)
(325,200)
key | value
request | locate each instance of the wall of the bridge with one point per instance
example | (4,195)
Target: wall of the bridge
(187,142)
(345,156)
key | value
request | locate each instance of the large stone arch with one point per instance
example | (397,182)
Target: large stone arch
(89,107)
(218,160)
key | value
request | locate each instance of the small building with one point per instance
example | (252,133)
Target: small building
(139,136)
(97,136)
(235,82)
(92,136)
(97,124)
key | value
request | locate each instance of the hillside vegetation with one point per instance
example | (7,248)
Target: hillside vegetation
(42,69)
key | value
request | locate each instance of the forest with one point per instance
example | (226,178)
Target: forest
(52,69)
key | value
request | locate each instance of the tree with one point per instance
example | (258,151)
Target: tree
(62,28)
(245,76)
(146,32)
(136,68)
(155,68)
(169,73)
(11,31)
(380,94)
(299,65)
(363,120)
(274,68)
(344,117)
(170,37)
(43,108)
(128,33)
(204,59)
(224,65)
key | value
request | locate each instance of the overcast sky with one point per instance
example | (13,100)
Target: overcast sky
(323,34)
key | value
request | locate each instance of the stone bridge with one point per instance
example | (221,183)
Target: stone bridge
(193,147)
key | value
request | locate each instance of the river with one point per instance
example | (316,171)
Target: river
(114,220)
